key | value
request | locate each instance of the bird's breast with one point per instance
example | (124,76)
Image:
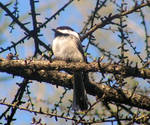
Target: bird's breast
(66,49)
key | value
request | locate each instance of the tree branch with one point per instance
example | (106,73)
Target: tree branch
(22,26)
(47,113)
(124,70)
(34,21)
(43,71)
(108,19)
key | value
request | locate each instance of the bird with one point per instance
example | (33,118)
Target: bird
(67,46)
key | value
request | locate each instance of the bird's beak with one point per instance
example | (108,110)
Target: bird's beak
(54,30)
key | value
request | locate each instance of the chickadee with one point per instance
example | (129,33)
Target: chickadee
(67,46)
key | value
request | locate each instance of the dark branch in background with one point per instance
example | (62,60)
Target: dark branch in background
(121,25)
(13,44)
(55,14)
(34,22)
(131,44)
(105,52)
(134,49)
(16,14)
(39,70)
(57,104)
(122,34)
(56,116)
(94,16)
(27,32)
(146,36)
(107,20)
(10,14)
(16,102)
(31,33)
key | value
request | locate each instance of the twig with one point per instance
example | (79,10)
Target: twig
(110,18)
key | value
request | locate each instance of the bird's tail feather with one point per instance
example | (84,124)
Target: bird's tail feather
(80,100)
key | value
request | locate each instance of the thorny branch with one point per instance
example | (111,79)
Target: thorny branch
(55,14)
(124,70)
(31,70)
(108,19)
(31,33)
(17,101)
(140,119)
(34,21)
(27,31)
